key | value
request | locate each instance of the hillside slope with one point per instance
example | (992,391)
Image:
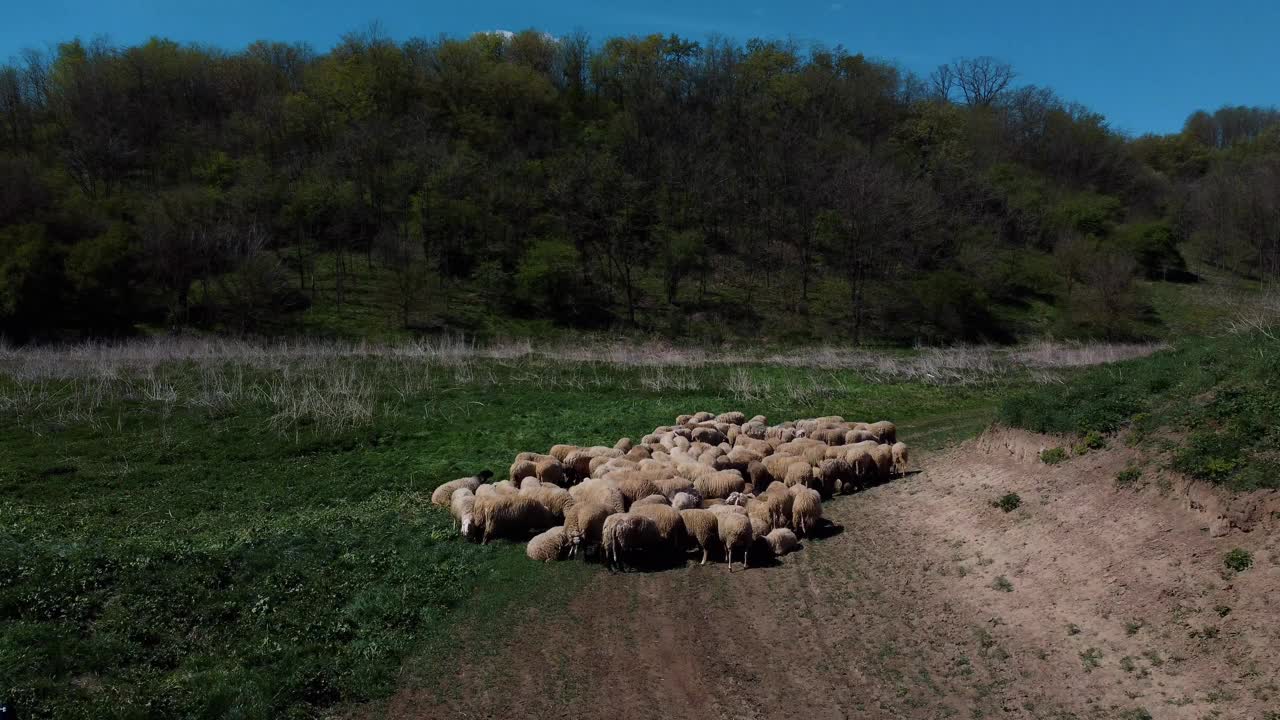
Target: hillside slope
(925,601)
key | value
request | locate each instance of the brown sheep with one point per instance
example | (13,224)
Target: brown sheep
(806,511)
(735,532)
(509,516)
(650,500)
(884,431)
(670,525)
(732,418)
(583,525)
(601,492)
(883,456)
(625,534)
(900,458)
(521,469)
(720,484)
(702,528)
(443,493)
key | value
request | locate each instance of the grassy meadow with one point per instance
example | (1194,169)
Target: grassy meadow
(205,528)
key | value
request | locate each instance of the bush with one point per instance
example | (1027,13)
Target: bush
(1238,560)
(1002,584)
(1128,476)
(1008,502)
(1053,456)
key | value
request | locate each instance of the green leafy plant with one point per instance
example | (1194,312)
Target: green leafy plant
(1007,502)
(1053,456)
(1238,560)
(1002,584)
(1128,476)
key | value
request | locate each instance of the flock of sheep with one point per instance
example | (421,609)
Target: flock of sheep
(707,482)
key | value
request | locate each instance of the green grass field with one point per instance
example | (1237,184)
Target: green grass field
(208,529)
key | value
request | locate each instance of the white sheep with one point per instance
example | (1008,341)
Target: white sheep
(625,534)
(444,492)
(735,532)
(548,545)
(781,541)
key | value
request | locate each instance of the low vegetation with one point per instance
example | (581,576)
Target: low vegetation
(1212,404)
(1007,502)
(167,505)
(1238,560)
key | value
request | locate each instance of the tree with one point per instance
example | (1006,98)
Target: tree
(982,80)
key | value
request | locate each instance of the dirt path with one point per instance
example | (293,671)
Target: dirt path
(1113,604)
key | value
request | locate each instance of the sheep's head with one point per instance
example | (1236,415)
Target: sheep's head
(468,524)
(484,475)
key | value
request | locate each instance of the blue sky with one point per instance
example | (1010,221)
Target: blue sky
(1146,65)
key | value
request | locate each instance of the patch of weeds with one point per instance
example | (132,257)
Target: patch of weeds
(1007,502)
(1238,560)
(1135,714)
(1092,440)
(1133,626)
(1180,702)
(1223,610)
(1053,456)
(1092,658)
(1002,584)
(1128,476)
(1220,695)
(1208,632)
(1073,629)
(1127,664)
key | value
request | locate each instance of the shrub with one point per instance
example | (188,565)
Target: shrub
(1128,476)
(1053,456)
(1007,502)
(1091,658)
(1002,584)
(1238,560)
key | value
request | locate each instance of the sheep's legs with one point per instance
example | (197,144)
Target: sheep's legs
(744,559)
(729,555)
(704,557)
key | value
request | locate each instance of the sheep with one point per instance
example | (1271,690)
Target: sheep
(723,509)
(733,417)
(601,492)
(508,515)
(833,474)
(735,532)
(462,504)
(549,470)
(651,500)
(529,484)
(720,484)
(900,458)
(670,526)
(700,417)
(781,541)
(548,545)
(883,456)
(862,466)
(625,445)
(857,436)
(760,526)
(577,465)
(758,474)
(686,500)
(554,499)
(638,453)
(521,469)
(798,473)
(531,456)
(442,495)
(708,435)
(560,452)
(806,511)
(885,432)
(625,534)
(673,486)
(702,527)
(506,487)
(778,506)
(583,524)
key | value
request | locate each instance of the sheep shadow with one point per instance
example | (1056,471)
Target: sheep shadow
(825,530)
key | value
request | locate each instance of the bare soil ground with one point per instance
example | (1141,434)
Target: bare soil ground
(1087,601)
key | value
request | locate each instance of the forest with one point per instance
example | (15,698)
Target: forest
(509,183)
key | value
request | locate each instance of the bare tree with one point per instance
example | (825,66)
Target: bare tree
(942,81)
(982,79)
